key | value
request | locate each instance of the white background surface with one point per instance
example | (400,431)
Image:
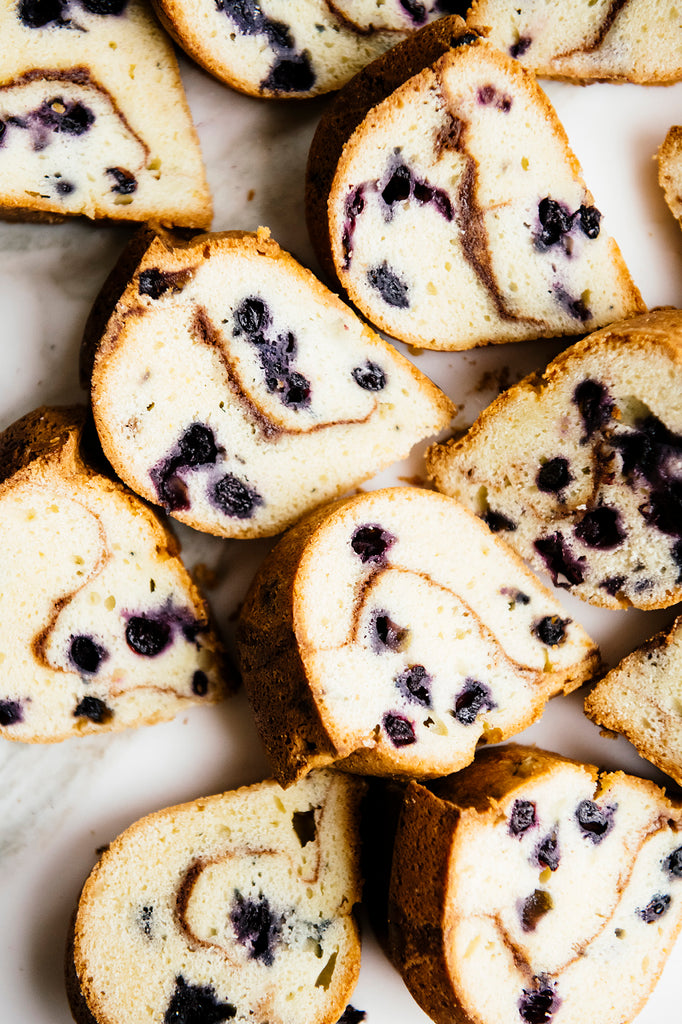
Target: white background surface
(59,803)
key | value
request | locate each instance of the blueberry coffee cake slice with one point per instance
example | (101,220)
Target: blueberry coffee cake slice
(530,889)
(580,468)
(93,116)
(235,907)
(602,40)
(232,388)
(670,170)
(392,632)
(293,48)
(443,196)
(102,625)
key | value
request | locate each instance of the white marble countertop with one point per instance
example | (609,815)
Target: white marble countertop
(59,803)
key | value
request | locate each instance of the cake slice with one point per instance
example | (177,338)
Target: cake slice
(530,889)
(580,468)
(234,907)
(625,41)
(102,625)
(446,138)
(670,170)
(642,699)
(392,632)
(232,388)
(93,116)
(275,48)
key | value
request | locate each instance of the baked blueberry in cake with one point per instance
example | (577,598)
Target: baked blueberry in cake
(286,49)
(642,698)
(530,889)
(93,116)
(392,632)
(103,627)
(447,138)
(579,468)
(230,387)
(235,907)
(608,40)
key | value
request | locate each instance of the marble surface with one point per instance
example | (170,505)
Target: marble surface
(58,804)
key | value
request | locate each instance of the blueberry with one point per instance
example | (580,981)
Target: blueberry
(547,852)
(673,863)
(399,729)
(497,521)
(296,391)
(197,446)
(553,475)
(466,39)
(246,14)
(601,528)
(590,218)
(534,908)
(235,498)
(125,183)
(655,908)
(370,376)
(664,509)
(104,6)
(371,542)
(200,683)
(595,405)
(387,634)
(147,636)
(11,712)
(196,1004)
(676,555)
(559,560)
(36,13)
(153,282)
(475,697)
(555,221)
(255,927)
(538,1005)
(392,290)
(354,205)
(489,96)
(352,1016)
(521,45)
(278,34)
(522,817)
(3,132)
(145,917)
(414,683)
(576,307)
(75,120)
(64,188)
(612,584)
(596,822)
(415,10)
(399,186)
(290,74)
(86,654)
(251,316)
(94,709)
(551,630)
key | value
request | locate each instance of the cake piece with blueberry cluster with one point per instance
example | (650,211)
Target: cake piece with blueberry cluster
(103,628)
(236,907)
(392,632)
(93,116)
(232,388)
(290,49)
(603,40)
(590,890)
(580,468)
(447,138)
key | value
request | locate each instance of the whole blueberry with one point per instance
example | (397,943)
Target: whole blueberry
(86,654)
(370,543)
(147,636)
(370,377)
(93,708)
(235,498)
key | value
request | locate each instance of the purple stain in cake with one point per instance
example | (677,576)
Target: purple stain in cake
(664,509)
(392,290)
(353,207)
(290,74)
(601,528)
(385,634)
(522,817)
(520,47)
(64,188)
(145,918)
(551,630)
(64,117)
(673,863)
(369,376)
(414,683)
(125,183)
(199,683)
(399,729)
(561,564)
(370,542)
(613,584)
(86,654)
(655,908)
(595,822)
(235,498)
(246,14)
(402,184)
(105,7)
(148,635)
(94,709)
(548,853)
(676,555)
(471,700)
(595,405)
(196,1004)
(497,522)
(415,10)
(255,927)
(575,307)
(276,353)
(196,447)
(11,712)
(553,475)
(489,96)
(539,1004)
